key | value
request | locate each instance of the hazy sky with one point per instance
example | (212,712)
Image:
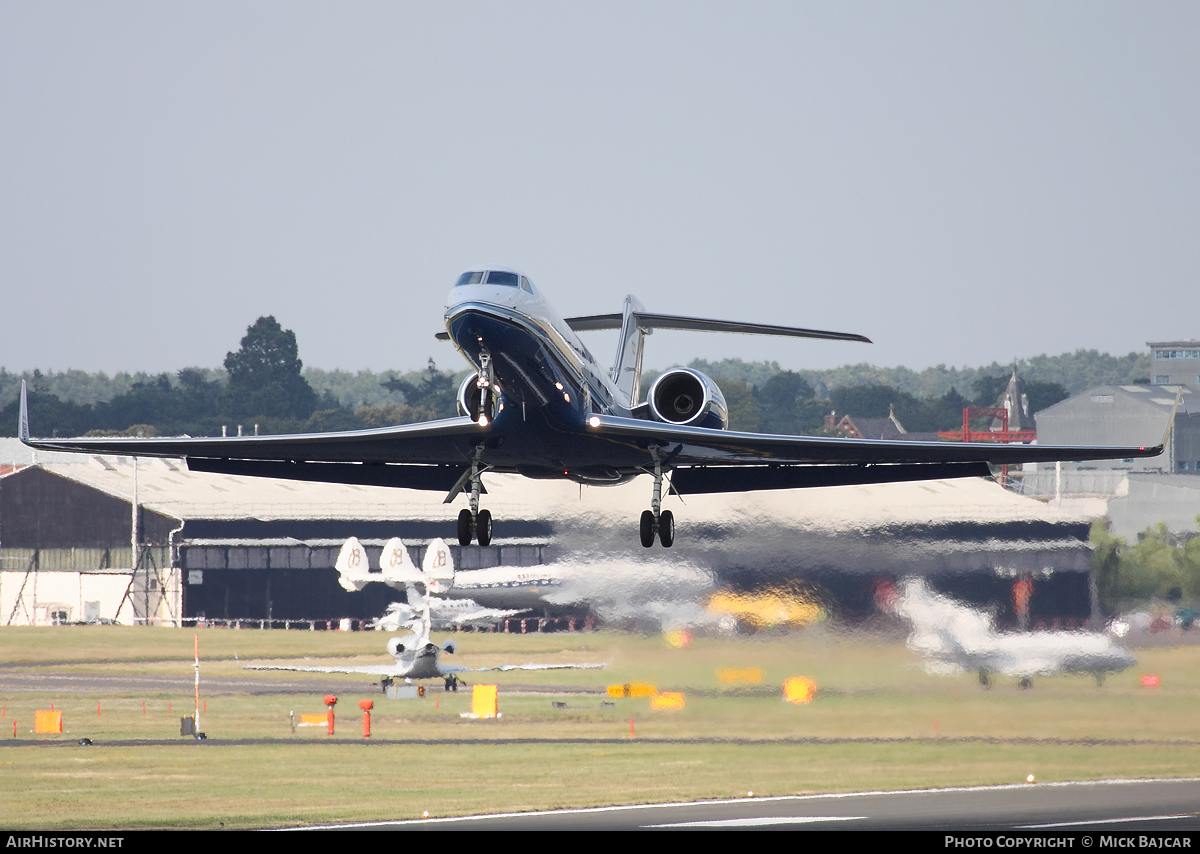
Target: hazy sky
(962,182)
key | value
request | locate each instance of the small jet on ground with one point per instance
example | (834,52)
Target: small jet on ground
(414,656)
(538,404)
(397,571)
(955,638)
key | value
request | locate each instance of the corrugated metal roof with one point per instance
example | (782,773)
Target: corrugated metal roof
(168,487)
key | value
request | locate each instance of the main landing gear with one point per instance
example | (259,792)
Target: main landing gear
(477,526)
(656,521)
(474,523)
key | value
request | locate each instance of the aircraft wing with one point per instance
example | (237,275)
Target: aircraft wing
(368,669)
(707,460)
(507,667)
(431,455)
(594,322)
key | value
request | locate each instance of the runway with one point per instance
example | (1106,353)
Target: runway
(1110,807)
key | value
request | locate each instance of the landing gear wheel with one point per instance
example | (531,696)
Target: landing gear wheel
(465,525)
(666,528)
(647,528)
(483,527)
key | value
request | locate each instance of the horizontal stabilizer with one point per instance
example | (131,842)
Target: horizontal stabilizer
(699,324)
(700,480)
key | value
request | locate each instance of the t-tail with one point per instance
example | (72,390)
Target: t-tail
(352,566)
(439,567)
(627,369)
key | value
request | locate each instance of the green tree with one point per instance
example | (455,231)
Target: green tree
(1106,565)
(781,400)
(433,391)
(988,390)
(264,375)
(743,408)
(1043,395)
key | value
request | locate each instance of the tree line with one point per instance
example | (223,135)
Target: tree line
(264,383)
(1159,567)
(262,389)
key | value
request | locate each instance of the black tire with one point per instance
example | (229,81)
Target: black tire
(483,527)
(666,528)
(465,525)
(647,528)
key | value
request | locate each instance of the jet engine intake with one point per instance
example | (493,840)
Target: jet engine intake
(689,398)
(395,646)
(476,398)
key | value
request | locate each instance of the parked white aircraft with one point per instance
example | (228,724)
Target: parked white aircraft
(416,657)
(443,614)
(396,568)
(397,571)
(954,638)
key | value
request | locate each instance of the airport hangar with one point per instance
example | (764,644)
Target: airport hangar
(1133,494)
(218,547)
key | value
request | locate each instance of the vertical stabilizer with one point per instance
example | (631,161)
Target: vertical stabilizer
(23,423)
(352,566)
(396,565)
(627,369)
(439,567)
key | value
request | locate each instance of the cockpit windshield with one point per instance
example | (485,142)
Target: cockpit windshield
(469,279)
(510,280)
(490,277)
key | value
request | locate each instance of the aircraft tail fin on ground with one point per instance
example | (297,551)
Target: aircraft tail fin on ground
(352,566)
(942,629)
(396,565)
(23,423)
(439,567)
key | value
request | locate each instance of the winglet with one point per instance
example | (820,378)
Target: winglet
(1171,421)
(23,424)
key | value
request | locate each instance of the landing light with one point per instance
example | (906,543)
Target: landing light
(594,421)
(483,420)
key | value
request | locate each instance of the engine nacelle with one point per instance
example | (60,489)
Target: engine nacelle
(395,646)
(688,398)
(469,395)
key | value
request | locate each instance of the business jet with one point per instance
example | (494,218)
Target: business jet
(954,638)
(539,404)
(397,570)
(415,657)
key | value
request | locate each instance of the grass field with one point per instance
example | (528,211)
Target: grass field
(879,722)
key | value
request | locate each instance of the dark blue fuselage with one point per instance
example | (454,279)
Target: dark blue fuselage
(548,382)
